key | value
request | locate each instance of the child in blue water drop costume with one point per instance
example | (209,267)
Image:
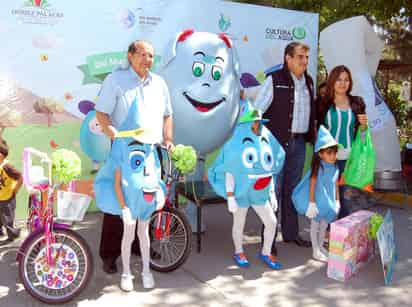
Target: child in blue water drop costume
(317,195)
(243,173)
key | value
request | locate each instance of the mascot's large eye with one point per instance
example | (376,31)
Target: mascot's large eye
(216,72)
(198,68)
(249,157)
(136,159)
(266,158)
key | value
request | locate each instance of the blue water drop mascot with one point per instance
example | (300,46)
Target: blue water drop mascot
(129,185)
(202,71)
(243,173)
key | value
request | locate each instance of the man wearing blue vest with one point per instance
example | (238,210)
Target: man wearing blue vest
(287,99)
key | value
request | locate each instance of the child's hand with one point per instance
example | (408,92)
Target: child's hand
(337,206)
(273,201)
(127,216)
(232,204)
(160,199)
(312,210)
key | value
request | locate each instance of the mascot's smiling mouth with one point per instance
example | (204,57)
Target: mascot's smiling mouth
(201,106)
(262,181)
(149,195)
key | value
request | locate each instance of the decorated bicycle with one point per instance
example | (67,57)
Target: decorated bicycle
(55,262)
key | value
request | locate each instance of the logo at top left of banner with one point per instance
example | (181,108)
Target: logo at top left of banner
(38,12)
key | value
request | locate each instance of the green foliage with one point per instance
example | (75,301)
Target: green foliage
(66,165)
(184,158)
(398,106)
(331,11)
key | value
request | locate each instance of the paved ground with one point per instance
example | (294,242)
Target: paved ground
(211,278)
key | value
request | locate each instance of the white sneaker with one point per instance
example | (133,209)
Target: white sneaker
(126,282)
(324,251)
(148,281)
(318,255)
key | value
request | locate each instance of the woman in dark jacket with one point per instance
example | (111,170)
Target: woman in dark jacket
(342,113)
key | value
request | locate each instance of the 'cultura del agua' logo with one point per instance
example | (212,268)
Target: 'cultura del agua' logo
(285,34)
(37,12)
(224,23)
(299,33)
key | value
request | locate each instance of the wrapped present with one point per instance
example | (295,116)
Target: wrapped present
(350,246)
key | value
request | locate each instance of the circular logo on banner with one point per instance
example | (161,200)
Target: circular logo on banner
(299,33)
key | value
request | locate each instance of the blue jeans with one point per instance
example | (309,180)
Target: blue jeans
(286,181)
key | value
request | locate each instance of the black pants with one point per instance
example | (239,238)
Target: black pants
(7,213)
(111,238)
(286,181)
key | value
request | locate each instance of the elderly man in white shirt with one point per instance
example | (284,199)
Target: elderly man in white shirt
(119,90)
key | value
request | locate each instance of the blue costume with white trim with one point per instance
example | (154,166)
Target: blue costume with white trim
(325,192)
(252,159)
(141,184)
(325,188)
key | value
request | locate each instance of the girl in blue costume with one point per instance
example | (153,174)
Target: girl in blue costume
(243,173)
(317,195)
(129,185)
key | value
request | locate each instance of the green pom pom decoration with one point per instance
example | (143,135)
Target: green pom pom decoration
(184,158)
(66,165)
(374,224)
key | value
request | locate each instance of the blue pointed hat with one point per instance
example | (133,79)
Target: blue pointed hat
(250,114)
(324,139)
(130,127)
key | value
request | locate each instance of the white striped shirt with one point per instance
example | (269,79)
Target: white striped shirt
(301,108)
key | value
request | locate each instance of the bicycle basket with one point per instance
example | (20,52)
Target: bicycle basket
(72,206)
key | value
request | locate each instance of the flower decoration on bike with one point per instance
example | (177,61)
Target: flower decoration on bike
(66,165)
(133,152)
(184,158)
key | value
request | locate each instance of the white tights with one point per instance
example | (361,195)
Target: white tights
(268,218)
(128,236)
(317,234)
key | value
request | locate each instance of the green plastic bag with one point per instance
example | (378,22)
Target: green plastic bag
(360,167)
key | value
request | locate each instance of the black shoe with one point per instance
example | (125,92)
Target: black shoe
(300,242)
(109,266)
(274,251)
(13,234)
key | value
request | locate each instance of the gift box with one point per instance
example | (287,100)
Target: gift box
(350,246)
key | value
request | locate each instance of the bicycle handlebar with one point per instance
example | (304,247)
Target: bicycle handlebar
(43,156)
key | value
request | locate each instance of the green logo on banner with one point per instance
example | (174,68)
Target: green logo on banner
(104,63)
(224,23)
(299,33)
(98,66)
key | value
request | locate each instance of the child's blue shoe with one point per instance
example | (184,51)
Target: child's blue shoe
(270,261)
(241,260)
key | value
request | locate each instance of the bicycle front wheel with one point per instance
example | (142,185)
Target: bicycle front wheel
(66,277)
(171,240)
